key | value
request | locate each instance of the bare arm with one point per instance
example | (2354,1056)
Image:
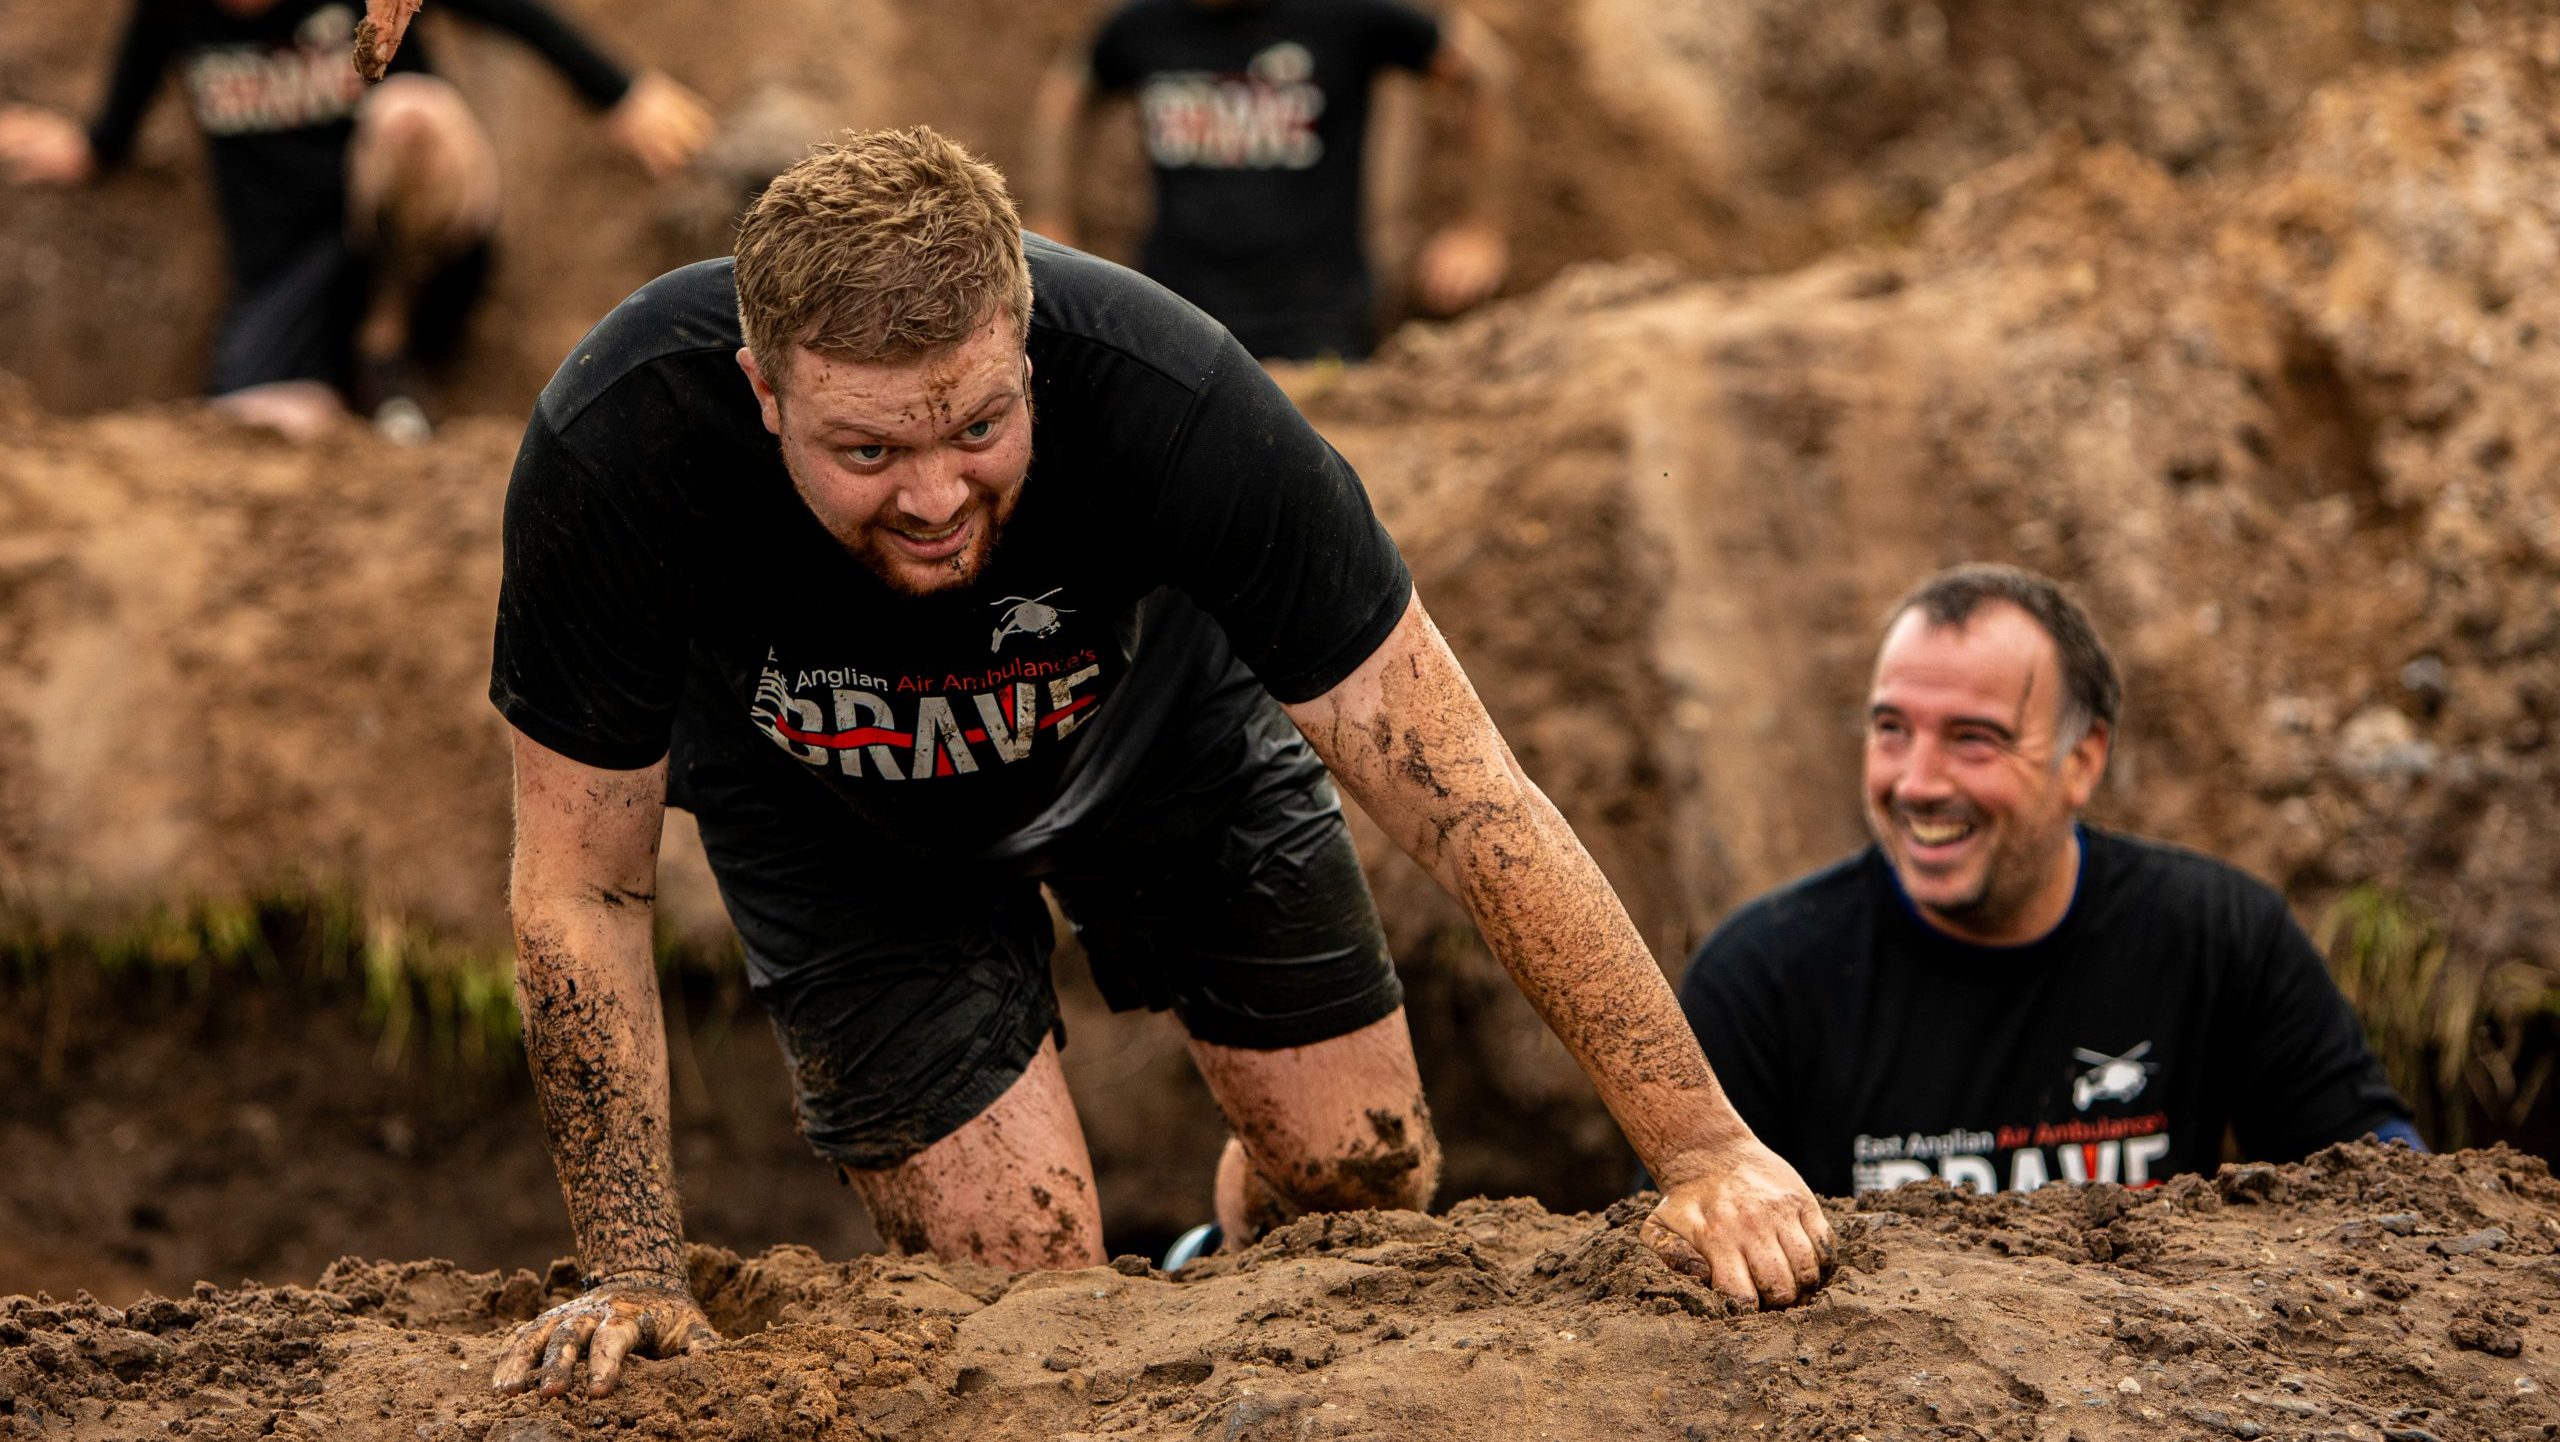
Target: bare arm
(1465,262)
(1058,109)
(583,898)
(1407,737)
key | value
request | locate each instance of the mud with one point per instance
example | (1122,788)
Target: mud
(2364,1294)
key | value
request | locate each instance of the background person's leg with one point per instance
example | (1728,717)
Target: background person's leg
(1332,1126)
(1012,1188)
(422,194)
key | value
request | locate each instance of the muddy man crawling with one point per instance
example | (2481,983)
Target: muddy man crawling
(768,546)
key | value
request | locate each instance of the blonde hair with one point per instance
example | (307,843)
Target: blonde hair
(880,246)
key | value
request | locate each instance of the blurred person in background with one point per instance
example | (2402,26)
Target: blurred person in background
(1255,115)
(356,221)
(1997,994)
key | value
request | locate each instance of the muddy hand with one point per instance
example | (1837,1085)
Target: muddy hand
(1748,1226)
(378,34)
(637,1312)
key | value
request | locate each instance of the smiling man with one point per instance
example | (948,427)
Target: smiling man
(1997,994)
(927,563)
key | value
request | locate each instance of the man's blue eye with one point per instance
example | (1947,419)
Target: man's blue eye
(979,430)
(866,454)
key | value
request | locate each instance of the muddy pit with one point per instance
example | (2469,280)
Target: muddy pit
(2366,1293)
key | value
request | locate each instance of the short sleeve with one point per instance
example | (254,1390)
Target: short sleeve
(1113,60)
(1400,36)
(1270,531)
(590,650)
(1733,1002)
(2307,1078)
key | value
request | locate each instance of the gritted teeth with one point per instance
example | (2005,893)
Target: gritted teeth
(928,537)
(1937,833)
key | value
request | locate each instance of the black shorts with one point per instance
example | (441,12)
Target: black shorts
(909,995)
(298,322)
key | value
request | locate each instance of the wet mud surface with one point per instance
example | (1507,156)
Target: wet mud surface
(2364,1294)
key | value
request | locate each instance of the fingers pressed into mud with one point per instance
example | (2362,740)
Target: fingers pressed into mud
(514,1372)
(611,1344)
(560,1359)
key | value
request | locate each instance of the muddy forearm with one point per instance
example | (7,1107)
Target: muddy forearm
(1408,737)
(1548,914)
(598,1051)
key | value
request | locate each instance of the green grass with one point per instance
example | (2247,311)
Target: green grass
(424,997)
(2455,1030)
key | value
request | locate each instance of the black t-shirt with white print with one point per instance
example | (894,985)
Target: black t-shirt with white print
(2176,998)
(664,579)
(275,94)
(1254,114)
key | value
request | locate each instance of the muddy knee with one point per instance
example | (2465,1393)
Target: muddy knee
(1394,1163)
(422,174)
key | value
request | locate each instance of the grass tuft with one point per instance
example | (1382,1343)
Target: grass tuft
(2456,1033)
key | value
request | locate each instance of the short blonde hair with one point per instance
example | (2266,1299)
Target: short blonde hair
(881,246)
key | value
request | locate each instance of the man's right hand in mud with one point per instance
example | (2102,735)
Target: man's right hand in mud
(651,1315)
(39,147)
(1746,1225)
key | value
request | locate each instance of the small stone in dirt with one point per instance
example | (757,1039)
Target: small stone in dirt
(2487,1239)
(2479,1334)
(528,1429)
(2129,1387)
(2398,1224)
(2253,1182)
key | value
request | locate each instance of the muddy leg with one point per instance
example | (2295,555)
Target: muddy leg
(1013,1188)
(422,189)
(1335,1126)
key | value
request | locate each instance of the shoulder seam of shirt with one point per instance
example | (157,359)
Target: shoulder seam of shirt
(560,424)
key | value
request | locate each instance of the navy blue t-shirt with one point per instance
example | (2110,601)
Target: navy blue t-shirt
(2178,998)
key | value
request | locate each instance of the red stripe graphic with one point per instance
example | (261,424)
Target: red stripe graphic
(883,736)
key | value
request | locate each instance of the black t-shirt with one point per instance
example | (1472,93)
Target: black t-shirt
(2178,996)
(663,577)
(275,94)
(1254,114)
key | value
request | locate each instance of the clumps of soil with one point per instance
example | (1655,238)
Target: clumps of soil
(2301,1301)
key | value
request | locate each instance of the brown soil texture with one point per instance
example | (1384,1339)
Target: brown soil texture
(2365,1294)
(1745,136)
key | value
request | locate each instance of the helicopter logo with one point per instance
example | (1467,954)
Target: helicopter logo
(2110,1078)
(1027,616)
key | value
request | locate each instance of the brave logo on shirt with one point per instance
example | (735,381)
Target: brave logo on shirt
(246,89)
(916,726)
(1264,119)
(2108,1149)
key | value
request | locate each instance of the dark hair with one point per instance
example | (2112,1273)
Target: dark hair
(2091,689)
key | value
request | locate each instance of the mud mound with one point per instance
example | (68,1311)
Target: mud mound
(2363,1294)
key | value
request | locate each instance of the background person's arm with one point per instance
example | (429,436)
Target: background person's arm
(1056,131)
(45,147)
(582,897)
(1465,261)
(650,114)
(1406,735)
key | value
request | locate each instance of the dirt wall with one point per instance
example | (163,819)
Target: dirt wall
(1735,138)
